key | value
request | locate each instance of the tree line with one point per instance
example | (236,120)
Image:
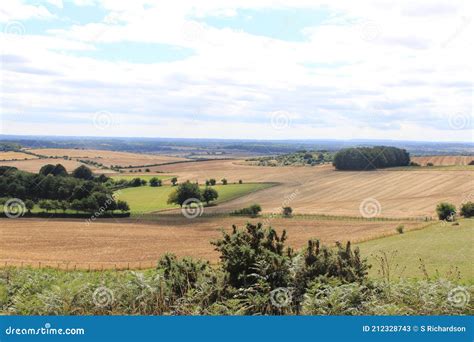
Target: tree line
(369,158)
(52,188)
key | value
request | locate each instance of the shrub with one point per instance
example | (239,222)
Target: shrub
(446,211)
(251,211)
(212,182)
(240,181)
(155,182)
(467,209)
(287,211)
(209,195)
(224,181)
(471,162)
(429,164)
(400,229)
(174,181)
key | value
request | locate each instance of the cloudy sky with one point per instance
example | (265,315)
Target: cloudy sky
(300,69)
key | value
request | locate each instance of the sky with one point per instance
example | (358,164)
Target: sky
(248,69)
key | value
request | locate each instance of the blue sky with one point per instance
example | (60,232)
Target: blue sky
(238,69)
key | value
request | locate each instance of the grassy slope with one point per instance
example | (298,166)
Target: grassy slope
(146,199)
(145,177)
(442,247)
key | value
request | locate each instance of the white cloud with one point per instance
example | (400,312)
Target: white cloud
(376,70)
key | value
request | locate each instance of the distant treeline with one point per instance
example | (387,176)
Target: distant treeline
(369,158)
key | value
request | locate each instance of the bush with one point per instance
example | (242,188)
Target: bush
(209,195)
(467,209)
(429,164)
(446,211)
(155,182)
(174,181)
(400,229)
(287,211)
(224,181)
(251,211)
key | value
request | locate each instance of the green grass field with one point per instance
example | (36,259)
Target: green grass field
(441,247)
(147,199)
(129,177)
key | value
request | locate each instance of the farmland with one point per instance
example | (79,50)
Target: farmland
(108,243)
(327,205)
(148,199)
(442,249)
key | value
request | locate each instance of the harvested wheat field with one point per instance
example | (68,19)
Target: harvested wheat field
(443,160)
(110,243)
(322,190)
(11,155)
(109,157)
(34,165)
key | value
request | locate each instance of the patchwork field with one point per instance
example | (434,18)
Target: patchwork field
(34,165)
(11,155)
(148,199)
(323,190)
(443,160)
(109,157)
(107,243)
(444,249)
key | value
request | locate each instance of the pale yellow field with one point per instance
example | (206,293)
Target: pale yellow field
(109,157)
(323,190)
(107,242)
(34,165)
(443,160)
(10,155)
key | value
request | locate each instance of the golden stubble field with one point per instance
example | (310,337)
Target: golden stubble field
(119,243)
(322,190)
(308,190)
(443,160)
(109,157)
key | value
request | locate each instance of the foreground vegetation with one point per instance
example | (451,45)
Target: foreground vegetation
(258,274)
(442,249)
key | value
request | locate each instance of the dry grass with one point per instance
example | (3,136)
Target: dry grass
(110,243)
(10,155)
(108,157)
(34,165)
(443,160)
